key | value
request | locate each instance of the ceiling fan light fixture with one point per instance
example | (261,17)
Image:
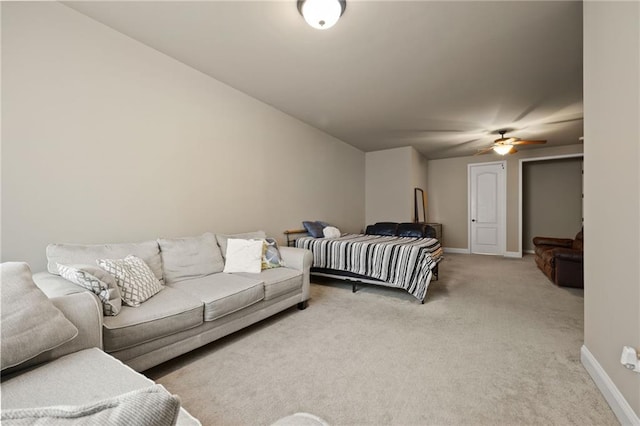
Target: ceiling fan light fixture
(321,14)
(502,149)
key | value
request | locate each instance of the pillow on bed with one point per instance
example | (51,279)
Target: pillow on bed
(331,232)
(383,228)
(314,228)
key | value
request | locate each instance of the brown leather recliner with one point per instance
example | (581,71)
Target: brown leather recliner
(561,259)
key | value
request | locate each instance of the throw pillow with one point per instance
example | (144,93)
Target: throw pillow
(271,254)
(96,280)
(331,232)
(151,406)
(243,256)
(222,239)
(314,228)
(134,278)
(30,323)
(191,257)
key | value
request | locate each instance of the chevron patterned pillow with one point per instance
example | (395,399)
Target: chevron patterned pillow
(135,279)
(98,282)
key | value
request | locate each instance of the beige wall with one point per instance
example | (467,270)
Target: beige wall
(107,140)
(551,199)
(391,176)
(448,193)
(612,188)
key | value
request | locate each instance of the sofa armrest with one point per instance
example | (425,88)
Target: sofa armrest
(301,260)
(568,255)
(55,285)
(84,310)
(85,313)
(80,306)
(550,241)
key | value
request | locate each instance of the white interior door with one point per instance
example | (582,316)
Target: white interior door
(487,208)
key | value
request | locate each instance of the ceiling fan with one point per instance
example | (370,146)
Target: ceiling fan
(505,146)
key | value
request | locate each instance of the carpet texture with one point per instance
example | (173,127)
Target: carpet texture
(495,343)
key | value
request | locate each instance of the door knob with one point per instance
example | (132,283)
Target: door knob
(473,220)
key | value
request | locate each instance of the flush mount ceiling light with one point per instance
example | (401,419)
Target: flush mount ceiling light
(321,14)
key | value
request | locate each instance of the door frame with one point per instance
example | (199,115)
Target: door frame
(502,207)
(520,183)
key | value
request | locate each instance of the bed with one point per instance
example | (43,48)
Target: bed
(393,261)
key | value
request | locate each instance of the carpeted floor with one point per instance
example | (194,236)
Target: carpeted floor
(495,343)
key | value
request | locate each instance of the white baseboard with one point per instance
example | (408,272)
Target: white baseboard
(516,254)
(530,251)
(616,400)
(456,250)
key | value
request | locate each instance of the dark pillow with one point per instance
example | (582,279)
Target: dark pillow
(429,231)
(415,230)
(383,228)
(314,229)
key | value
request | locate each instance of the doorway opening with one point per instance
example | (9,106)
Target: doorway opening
(550,198)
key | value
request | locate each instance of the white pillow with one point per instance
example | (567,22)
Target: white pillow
(243,256)
(331,232)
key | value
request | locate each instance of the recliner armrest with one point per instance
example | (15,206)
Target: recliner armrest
(568,254)
(550,241)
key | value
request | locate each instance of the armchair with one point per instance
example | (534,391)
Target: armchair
(561,259)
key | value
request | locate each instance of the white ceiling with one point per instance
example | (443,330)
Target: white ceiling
(440,76)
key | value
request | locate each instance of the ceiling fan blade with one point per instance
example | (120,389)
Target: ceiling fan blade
(484,151)
(520,142)
(513,150)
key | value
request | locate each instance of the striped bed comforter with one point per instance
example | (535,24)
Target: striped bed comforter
(400,262)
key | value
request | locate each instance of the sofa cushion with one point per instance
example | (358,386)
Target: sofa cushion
(68,254)
(191,257)
(135,280)
(150,406)
(277,281)
(98,281)
(223,294)
(222,239)
(168,312)
(30,323)
(83,377)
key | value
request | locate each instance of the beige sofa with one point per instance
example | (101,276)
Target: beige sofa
(198,304)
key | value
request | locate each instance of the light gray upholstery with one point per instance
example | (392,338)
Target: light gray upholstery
(85,312)
(170,311)
(277,281)
(301,260)
(222,293)
(31,324)
(190,257)
(150,354)
(68,254)
(150,406)
(143,350)
(55,285)
(83,377)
